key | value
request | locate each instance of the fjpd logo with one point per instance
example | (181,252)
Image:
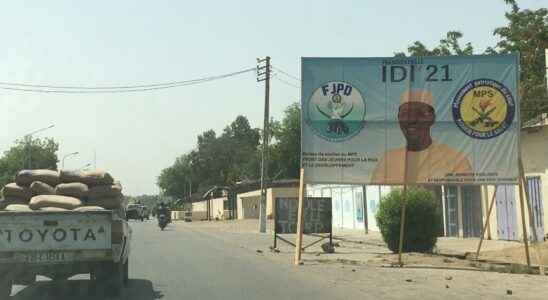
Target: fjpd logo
(335,111)
(483,108)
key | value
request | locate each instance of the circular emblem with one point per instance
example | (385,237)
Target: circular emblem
(335,111)
(483,108)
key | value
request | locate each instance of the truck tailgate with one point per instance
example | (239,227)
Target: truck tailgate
(45,231)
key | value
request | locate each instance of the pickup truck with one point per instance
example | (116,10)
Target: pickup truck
(135,212)
(146,212)
(60,245)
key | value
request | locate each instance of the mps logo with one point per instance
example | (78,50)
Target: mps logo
(335,111)
(483,108)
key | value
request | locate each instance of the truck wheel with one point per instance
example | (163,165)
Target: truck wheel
(126,273)
(5,288)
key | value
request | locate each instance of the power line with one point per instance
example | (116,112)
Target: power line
(64,89)
(286,82)
(286,73)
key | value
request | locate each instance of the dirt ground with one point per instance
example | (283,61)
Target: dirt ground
(367,264)
(355,247)
(517,254)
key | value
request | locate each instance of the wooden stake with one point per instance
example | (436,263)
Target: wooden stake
(524,228)
(538,251)
(486,194)
(300,220)
(486,222)
(403,205)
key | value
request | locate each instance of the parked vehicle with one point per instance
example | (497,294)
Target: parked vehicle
(188,216)
(146,212)
(60,245)
(135,212)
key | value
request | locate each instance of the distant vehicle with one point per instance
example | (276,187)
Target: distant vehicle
(162,221)
(188,216)
(135,212)
(146,212)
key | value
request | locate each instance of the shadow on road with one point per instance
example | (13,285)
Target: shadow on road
(138,289)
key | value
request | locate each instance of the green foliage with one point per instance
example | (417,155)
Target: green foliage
(217,160)
(422,220)
(176,180)
(525,33)
(235,156)
(29,153)
(449,45)
(285,152)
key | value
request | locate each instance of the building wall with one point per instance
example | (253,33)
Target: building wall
(199,206)
(348,204)
(535,161)
(534,147)
(217,208)
(248,203)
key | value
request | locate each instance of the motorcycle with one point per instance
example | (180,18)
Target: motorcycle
(162,221)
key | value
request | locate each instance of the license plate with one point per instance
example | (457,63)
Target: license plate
(47,257)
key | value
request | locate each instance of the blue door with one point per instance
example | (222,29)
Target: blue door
(505,196)
(535,201)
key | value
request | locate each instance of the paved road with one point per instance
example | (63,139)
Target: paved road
(180,263)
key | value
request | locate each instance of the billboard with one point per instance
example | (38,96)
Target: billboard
(449,119)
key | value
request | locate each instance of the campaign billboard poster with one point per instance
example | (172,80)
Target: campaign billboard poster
(444,119)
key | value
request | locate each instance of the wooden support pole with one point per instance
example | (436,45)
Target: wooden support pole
(523,224)
(402,224)
(300,220)
(486,196)
(486,222)
(403,206)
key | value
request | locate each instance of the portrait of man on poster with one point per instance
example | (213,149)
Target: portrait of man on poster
(426,159)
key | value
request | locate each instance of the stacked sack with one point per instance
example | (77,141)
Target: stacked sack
(48,190)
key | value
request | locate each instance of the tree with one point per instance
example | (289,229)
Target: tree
(40,153)
(175,181)
(449,45)
(241,143)
(286,151)
(527,33)
(217,160)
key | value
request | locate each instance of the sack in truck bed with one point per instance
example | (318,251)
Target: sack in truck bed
(17,207)
(73,189)
(27,177)
(41,188)
(105,191)
(91,178)
(65,202)
(16,191)
(107,203)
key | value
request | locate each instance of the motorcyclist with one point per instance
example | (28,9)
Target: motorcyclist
(163,209)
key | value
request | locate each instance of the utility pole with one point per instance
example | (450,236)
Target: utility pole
(263,74)
(189,189)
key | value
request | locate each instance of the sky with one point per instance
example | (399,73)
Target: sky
(136,135)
